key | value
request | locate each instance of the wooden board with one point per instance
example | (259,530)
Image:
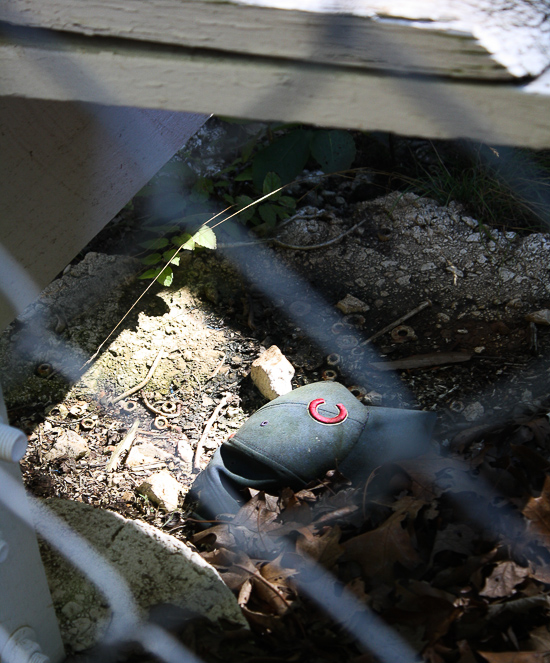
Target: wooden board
(132,74)
(481,39)
(66,170)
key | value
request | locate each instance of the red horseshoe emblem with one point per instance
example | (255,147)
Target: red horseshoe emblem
(312,409)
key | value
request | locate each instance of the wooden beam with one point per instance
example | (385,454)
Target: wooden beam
(123,73)
(482,39)
(66,170)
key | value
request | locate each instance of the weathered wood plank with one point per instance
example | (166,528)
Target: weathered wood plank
(494,39)
(110,73)
(66,170)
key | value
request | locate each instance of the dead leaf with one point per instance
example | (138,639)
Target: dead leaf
(432,475)
(541,430)
(503,580)
(456,537)
(539,639)
(466,654)
(515,656)
(537,511)
(245,592)
(322,548)
(377,551)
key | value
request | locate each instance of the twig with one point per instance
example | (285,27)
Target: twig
(122,446)
(422,361)
(209,424)
(258,576)
(217,369)
(142,384)
(400,320)
(311,247)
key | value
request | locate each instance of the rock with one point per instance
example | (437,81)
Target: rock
(272,373)
(185,450)
(143,454)
(351,304)
(473,411)
(162,489)
(541,317)
(155,567)
(70,445)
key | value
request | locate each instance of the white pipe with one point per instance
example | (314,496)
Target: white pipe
(23,648)
(13,443)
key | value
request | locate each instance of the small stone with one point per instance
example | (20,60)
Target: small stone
(471,223)
(146,453)
(69,444)
(162,489)
(272,373)
(473,411)
(185,450)
(541,317)
(506,274)
(351,304)
(427,266)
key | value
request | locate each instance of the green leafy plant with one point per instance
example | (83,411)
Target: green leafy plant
(162,271)
(266,163)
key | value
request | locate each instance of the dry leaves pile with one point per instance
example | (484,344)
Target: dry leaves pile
(452,553)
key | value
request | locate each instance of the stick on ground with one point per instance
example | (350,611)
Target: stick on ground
(400,320)
(142,384)
(209,424)
(122,446)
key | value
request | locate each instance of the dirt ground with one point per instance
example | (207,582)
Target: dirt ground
(474,351)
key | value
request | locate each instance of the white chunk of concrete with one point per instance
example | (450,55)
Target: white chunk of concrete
(162,489)
(156,567)
(272,373)
(351,304)
(69,444)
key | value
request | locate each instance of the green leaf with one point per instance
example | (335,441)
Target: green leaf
(268,214)
(285,156)
(243,201)
(179,169)
(272,182)
(245,176)
(333,150)
(281,212)
(229,199)
(201,190)
(205,237)
(166,277)
(151,259)
(287,201)
(249,148)
(228,169)
(169,255)
(153,244)
(185,240)
(150,273)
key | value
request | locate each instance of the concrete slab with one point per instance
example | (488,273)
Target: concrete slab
(156,567)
